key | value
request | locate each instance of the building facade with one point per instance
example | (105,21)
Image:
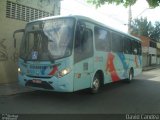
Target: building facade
(150,51)
(14,14)
(145,50)
(158,53)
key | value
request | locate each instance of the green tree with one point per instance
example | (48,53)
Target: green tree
(141,27)
(145,28)
(155,32)
(126,3)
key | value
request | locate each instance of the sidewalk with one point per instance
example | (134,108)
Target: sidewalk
(150,67)
(12,89)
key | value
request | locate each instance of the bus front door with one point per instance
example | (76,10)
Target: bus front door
(83,59)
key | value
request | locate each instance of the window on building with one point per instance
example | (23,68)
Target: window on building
(152,44)
(24,13)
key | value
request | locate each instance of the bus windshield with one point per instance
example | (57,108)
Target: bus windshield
(48,40)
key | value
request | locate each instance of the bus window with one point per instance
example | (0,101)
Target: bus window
(134,47)
(102,40)
(117,42)
(127,46)
(139,48)
(83,44)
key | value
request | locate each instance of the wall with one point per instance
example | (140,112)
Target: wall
(52,6)
(158,53)
(8,63)
(145,60)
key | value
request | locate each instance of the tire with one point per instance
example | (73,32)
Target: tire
(130,76)
(95,84)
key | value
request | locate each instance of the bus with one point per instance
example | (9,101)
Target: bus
(71,53)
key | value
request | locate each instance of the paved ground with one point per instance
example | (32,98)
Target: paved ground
(12,89)
(140,96)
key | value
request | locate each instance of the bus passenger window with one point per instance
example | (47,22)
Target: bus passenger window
(134,47)
(117,42)
(127,46)
(139,48)
(102,40)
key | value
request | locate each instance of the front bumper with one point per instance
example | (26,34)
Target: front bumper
(64,84)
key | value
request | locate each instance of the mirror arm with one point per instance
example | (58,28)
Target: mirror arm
(17,31)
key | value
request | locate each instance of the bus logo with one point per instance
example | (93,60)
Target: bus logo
(34,55)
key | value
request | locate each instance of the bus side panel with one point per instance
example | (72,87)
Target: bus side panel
(82,74)
(100,64)
(116,66)
(137,64)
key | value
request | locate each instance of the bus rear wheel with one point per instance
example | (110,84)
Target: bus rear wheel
(95,84)
(130,76)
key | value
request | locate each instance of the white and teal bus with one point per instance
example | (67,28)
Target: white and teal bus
(70,53)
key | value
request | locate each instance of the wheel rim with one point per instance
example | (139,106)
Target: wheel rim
(96,84)
(130,76)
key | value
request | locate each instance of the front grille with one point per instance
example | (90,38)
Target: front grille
(33,76)
(39,67)
(43,84)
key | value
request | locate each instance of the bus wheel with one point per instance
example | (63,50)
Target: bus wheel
(130,76)
(95,84)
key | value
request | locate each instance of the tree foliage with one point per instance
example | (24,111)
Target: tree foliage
(153,3)
(141,27)
(126,3)
(145,28)
(155,33)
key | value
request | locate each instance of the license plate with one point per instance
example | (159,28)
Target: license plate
(37,81)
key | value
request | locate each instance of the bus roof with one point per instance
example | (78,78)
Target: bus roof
(87,19)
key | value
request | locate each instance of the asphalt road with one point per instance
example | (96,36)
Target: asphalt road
(142,95)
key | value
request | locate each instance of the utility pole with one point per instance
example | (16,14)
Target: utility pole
(129,19)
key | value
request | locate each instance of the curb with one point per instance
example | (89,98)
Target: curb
(150,68)
(12,89)
(14,93)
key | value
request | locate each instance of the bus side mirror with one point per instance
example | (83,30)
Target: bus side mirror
(81,27)
(15,32)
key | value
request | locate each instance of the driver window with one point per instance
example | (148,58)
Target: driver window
(83,44)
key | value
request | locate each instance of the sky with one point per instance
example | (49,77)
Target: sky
(111,15)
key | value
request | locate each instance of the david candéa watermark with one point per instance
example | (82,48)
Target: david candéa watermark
(142,116)
(9,117)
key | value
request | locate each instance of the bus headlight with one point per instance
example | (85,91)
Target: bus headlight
(19,70)
(64,72)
